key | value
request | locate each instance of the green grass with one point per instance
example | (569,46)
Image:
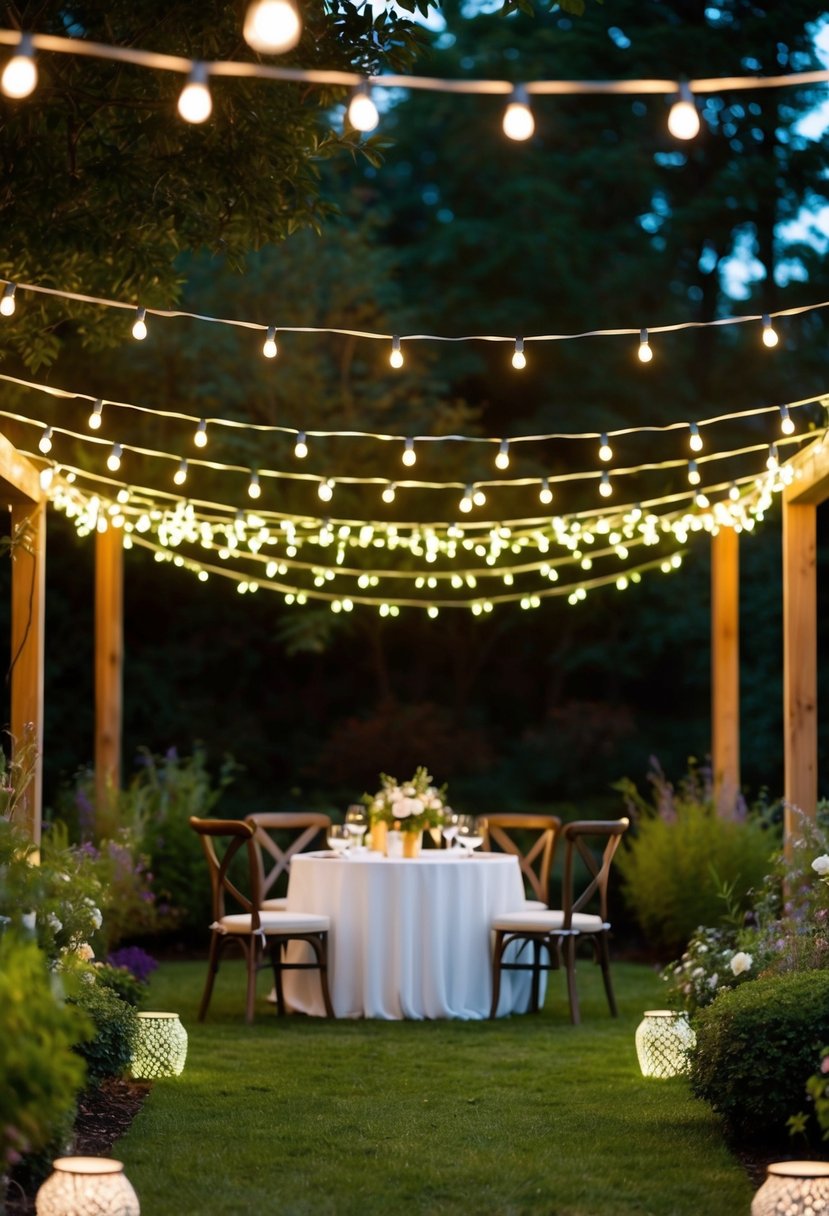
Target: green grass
(528,1115)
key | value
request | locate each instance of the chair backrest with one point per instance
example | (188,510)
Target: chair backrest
(239,836)
(577,836)
(270,829)
(507,833)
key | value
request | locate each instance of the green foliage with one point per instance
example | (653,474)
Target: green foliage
(681,856)
(122,982)
(41,1075)
(108,1052)
(756,1048)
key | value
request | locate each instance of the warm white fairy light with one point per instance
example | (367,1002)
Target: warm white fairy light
(770,336)
(645,352)
(478,497)
(114,458)
(254,488)
(519,359)
(694,477)
(325,490)
(195,104)
(396,356)
(362,112)
(502,457)
(683,120)
(19,78)
(786,421)
(734,492)
(465,503)
(139,325)
(180,475)
(269,346)
(94,420)
(200,436)
(409,454)
(545,494)
(301,446)
(389,492)
(518,122)
(694,438)
(272,26)
(773,459)
(605,450)
(605,488)
(45,441)
(7,303)
(47,476)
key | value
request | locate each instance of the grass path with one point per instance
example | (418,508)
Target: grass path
(528,1116)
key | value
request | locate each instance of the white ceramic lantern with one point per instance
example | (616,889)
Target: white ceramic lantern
(793,1188)
(663,1040)
(87,1186)
(160,1046)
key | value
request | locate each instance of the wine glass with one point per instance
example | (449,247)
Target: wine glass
(449,827)
(339,839)
(468,835)
(356,822)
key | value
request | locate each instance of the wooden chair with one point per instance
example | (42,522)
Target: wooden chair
(557,932)
(270,828)
(539,835)
(255,931)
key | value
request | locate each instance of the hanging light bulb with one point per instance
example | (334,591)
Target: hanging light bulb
(180,475)
(269,347)
(694,438)
(139,325)
(114,458)
(645,352)
(502,459)
(478,497)
(786,421)
(465,503)
(326,490)
(47,476)
(362,112)
(195,103)
(605,488)
(45,442)
(519,359)
(605,450)
(734,492)
(19,77)
(545,494)
(7,304)
(773,460)
(683,120)
(94,420)
(693,473)
(409,454)
(396,356)
(254,489)
(200,437)
(272,26)
(770,337)
(389,492)
(518,123)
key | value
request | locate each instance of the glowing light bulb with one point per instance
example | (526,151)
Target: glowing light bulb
(7,304)
(94,421)
(254,489)
(396,356)
(300,447)
(645,352)
(272,26)
(409,454)
(786,421)
(362,112)
(389,492)
(545,494)
(180,475)
(114,458)
(478,497)
(773,459)
(605,450)
(605,488)
(195,103)
(502,459)
(734,492)
(683,120)
(518,123)
(19,77)
(326,490)
(770,337)
(269,347)
(46,478)
(465,503)
(694,439)
(693,473)
(45,442)
(139,325)
(200,437)
(519,359)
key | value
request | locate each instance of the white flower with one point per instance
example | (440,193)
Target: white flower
(741,962)
(54,924)
(28,920)
(713,980)
(702,949)
(85,952)
(698,971)
(97,918)
(821,865)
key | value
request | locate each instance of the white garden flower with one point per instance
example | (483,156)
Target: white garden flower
(28,921)
(713,980)
(54,924)
(741,962)
(97,918)
(85,952)
(821,865)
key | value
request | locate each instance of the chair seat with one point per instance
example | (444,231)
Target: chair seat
(547,921)
(535,905)
(274,905)
(273,923)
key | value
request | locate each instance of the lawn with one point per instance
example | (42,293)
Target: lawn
(525,1116)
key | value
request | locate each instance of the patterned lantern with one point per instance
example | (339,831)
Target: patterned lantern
(160,1047)
(87,1186)
(663,1040)
(793,1188)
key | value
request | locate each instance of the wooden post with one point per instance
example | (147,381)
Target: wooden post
(28,522)
(725,668)
(109,658)
(799,661)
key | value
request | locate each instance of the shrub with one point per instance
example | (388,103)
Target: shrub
(109,1051)
(756,1048)
(122,982)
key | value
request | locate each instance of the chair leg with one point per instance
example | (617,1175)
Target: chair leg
(497,954)
(212,968)
(570,964)
(536,976)
(320,947)
(251,949)
(276,959)
(604,962)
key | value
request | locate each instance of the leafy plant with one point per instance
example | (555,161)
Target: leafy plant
(122,982)
(108,1052)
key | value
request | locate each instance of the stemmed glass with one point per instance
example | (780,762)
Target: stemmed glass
(468,835)
(356,823)
(450,827)
(339,839)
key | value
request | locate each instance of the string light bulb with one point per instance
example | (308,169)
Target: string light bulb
(19,77)
(545,494)
(683,120)
(396,356)
(770,336)
(478,497)
(694,438)
(362,112)
(519,359)
(272,26)
(734,492)
(409,454)
(518,123)
(773,459)
(605,450)
(694,477)
(645,352)
(502,458)
(786,421)
(195,104)
(269,346)
(326,489)
(139,325)
(180,475)
(300,446)
(389,492)
(114,458)
(7,303)
(465,503)
(94,420)
(254,488)
(605,488)
(45,442)
(200,437)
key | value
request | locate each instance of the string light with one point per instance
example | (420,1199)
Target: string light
(734,492)
(388,494)
(683,120)
(605,488)
(195,104)
(362,112)
(693,473)
(645,352)
(269,347)
(45,442)
(409,454)
(773,459)
(465,503)
(786,421)
(301,446)
(326,490)
(694,438)
(770,337)
(254,489)
(478,497)
(200,437)
(518,122)
(7,304)
(605,450)
(502,457)
(94,420)
(19,77)
(272,26)
(114,458)
(180,475)
(139,325)
(519,359)
(396,356)
(545,494)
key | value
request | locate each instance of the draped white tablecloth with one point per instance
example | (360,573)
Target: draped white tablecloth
(409,938)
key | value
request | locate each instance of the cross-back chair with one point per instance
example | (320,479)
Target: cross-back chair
(555,933)
(273,855)
(532,839)
(257,933)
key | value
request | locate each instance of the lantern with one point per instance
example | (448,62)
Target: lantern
(793,1188)
(663,1040)
(87,1186)
(160,1048)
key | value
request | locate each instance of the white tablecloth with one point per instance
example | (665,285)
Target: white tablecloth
(409,938)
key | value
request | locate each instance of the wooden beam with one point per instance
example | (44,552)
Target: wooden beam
(19,478)
(725,668)
(810,483)
(109,659)
(28,556)
(799,661)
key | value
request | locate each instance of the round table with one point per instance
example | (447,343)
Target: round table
(410,938)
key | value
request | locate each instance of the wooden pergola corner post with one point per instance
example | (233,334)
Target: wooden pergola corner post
(109,660)
(725,668)
(28,606)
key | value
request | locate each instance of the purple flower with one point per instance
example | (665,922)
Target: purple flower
(136,960)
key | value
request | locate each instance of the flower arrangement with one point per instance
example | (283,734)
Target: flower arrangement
(409,806)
